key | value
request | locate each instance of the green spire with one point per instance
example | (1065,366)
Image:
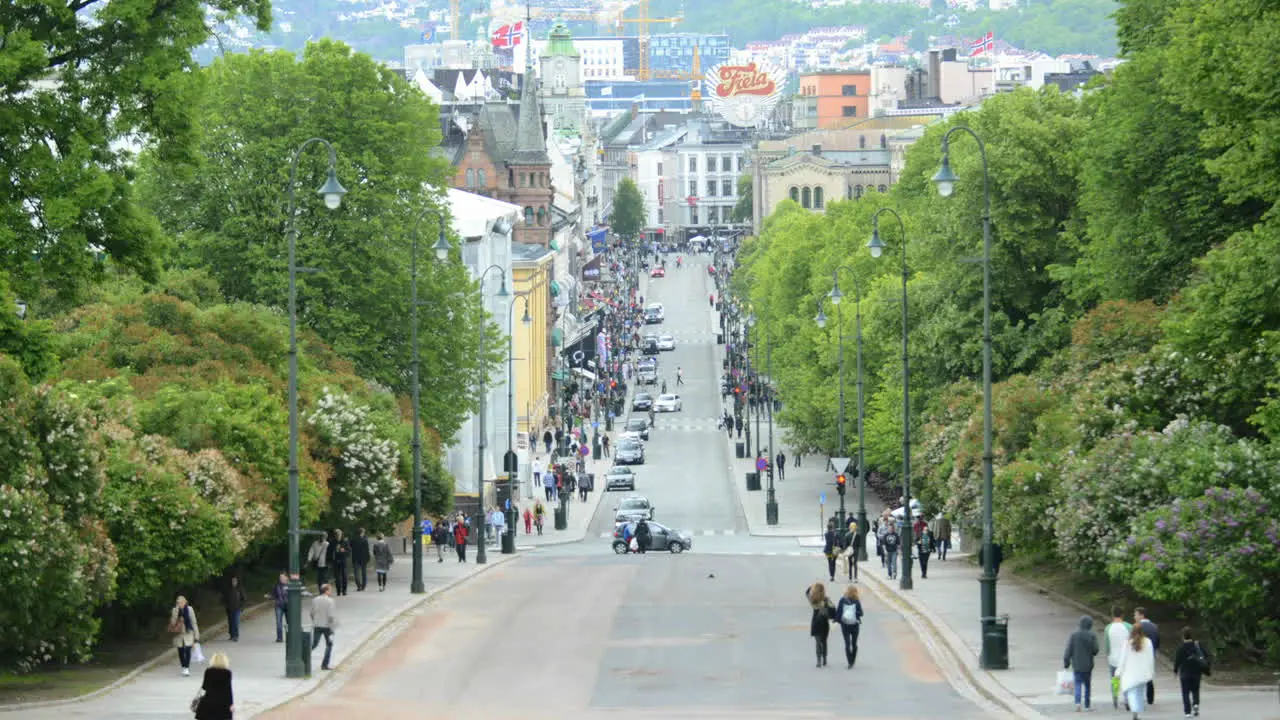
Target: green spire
(560,42)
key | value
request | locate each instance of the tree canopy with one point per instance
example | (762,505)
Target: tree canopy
(628,216)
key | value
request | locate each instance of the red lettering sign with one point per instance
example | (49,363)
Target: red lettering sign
(744,80)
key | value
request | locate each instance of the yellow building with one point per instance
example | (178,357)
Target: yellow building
(531,270)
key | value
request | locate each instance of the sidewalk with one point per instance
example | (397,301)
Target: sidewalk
(156,689)
(580,513)
(1039,624)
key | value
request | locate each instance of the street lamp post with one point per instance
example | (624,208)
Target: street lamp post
(510,546)
(754,394)
(479,523)
(836,296)
(749,322)
(441,249)
(995,646)
(771,500)
(332,191)
(877,248)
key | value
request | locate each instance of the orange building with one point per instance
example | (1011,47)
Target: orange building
(835,98)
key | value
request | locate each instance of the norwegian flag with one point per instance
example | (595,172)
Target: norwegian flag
(508,35)
(983,45)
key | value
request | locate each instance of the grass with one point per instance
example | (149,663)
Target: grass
(1099,594)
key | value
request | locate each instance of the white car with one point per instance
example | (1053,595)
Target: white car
(668,403)
(666,342)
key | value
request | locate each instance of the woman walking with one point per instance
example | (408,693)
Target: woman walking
(1137,668)
(216,702)
(382,560)
(460,540)
(849,615)
(820,622)
(186,631)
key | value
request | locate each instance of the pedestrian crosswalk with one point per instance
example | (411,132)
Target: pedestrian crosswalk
(696,533)
(675,421)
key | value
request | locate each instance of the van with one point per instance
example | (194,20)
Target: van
(654,313)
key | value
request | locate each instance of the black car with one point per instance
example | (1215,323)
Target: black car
(650,346)
(642,401)
(629,452)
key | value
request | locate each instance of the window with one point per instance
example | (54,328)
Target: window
(881,189)
(726,163)
(471,178)
(660,220)
(711,163)
(862,142)
(528,216)
(857,191)
(806,197)
(511,177)
(795,194)
(693,216)
(524,180)
(884,142)
(693,188)
(482,179)
(739,163)
(849,111)
(817,198)
(693,163)
(849,90)
(542,216)
(711,188)
(659,168)
(726,188)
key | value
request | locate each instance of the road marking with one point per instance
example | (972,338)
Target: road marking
(695,533)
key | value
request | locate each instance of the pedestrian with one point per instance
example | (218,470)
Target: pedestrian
(820,620)
(186,631)
(737,424)
(547,439)
(539,514)
(360,559)
(382,559)
(215,700)
(233,600)
(604,443)
(1082,647)
(942,535)
(1114,636)
(711,299)
(279,596)
(1152,631)
(585,485)
(324,618)
(891,542)
(1189,664)
(559,438)
(849,615)
(679,375)
(528,521)
(924,548)
(1137,668)
(798,456)
(831,548)
(341,556)
(460,540)
(643,536)
(997,556)
(549,484)
(499,521)
(782,465)
(537,468)
(319,556)
(440,537)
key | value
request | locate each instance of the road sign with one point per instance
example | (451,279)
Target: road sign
(761,464)
(840,464)
(822,498)
(508,503)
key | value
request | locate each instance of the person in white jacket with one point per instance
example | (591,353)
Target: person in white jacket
(1137,668)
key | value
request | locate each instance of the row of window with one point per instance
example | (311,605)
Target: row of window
(539,216)
(725,187)
(812,197)
(725,165)
(479,178)
(715,214)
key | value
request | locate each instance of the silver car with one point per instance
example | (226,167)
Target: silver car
(620,477)
(661,537)
(629,452)
(632,508)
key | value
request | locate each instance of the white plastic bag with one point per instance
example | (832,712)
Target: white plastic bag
(197,653)
(1066,683)
(635,545)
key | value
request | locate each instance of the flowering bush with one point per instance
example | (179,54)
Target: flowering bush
(1219,554)
(1024,492)
(365,487)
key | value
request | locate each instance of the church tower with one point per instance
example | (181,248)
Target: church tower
(563,95)
(529,166)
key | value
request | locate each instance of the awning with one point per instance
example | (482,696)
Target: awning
(585,374)
(557,337)
(555,288)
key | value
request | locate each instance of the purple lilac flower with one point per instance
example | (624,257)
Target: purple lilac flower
(1146,558)
(1160,524)
(1248,550)
(1232,522)
(1161,566)
(1184,536)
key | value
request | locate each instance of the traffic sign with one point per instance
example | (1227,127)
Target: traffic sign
(822,498)
(840,464)
(508,503)
(761,464)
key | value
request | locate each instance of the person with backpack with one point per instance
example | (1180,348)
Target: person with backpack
(924,548)
(849,615)
(1190,663)
(643,536)
(1082,646)
(440,538)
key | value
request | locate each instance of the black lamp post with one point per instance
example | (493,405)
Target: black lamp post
(771,500)
(877,248)
(479,522)
(509,546)
(332,192)
(836,296)
(754,387)
(441,249)
(995,645)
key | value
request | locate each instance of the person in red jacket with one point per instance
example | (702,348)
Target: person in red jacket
(460,540)
(528,521)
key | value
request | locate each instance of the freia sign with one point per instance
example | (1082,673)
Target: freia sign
(744,95)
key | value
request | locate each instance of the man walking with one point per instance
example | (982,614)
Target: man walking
(324,618)
(737,423)
(679,375)
(782,465)
(1082,646)
(942,535)
(1114,636)
(440,538)
(360,557)
(319,555)
(1152,631)
(460,540)
(341,554)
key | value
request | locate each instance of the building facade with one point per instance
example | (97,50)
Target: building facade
(564,101)
(833,99)
(672,54)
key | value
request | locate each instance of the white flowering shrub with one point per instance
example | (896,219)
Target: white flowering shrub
(246,505)
(365,487)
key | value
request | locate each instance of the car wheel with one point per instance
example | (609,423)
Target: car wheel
(619,547)
(676,547)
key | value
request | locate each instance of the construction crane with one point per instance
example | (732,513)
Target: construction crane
(455,19)
(643,21)
(695,81)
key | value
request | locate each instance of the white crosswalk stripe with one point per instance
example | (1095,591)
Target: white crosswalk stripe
(674,421)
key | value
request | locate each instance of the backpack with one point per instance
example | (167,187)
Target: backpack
(849,614)
(1199,658)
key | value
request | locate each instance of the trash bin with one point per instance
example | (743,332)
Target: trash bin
(753,480)
(741,449)
(508,543)
(306,650)
(561,518)
(719,338)
(995,643)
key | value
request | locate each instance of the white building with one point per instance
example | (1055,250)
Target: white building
(599,58)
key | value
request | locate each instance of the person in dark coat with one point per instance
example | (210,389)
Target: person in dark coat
(1190,663)
(341,556)
(831,548)
(360,558)
(1082,647)
(643,536)
(233,599)
(820,620)
(216,701)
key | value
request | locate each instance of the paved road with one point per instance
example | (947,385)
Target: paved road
(567,637)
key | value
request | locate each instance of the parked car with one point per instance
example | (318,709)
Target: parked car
(657,272)
(620,477)
(661,537)
(632,508)
(629,452)
(666,342)
(638,427)
(668,403)
(642,402)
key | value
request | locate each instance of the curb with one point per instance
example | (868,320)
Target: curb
(980,680)
(221,626)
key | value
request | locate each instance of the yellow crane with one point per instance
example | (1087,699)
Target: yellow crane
(643,21)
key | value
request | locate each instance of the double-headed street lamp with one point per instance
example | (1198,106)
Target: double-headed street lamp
(995,645)
(509,546)
(877,248)
(332,192)
(836,296)
(479,522)
(441,248)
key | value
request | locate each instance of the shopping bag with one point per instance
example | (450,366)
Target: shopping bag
(1066,683)
(635,546)
(197,653)
(1115,685)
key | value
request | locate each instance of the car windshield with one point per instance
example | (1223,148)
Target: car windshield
(634,504)
(636,424)
(667,398)
(630,444)
(643,396)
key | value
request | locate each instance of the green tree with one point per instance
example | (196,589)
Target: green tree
(742,210)
(229,215)
(76,80)
(628,216)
